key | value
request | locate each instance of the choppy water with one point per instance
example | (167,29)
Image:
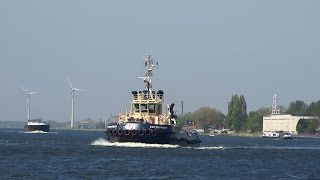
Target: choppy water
(64,154)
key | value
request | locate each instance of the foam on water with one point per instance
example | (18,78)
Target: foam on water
(103,142)
(35,132)
(286,148)
(38,132)
(211,148)
(253,148)
(266,148)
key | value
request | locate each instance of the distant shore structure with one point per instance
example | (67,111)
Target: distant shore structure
(275,108)
(281,122)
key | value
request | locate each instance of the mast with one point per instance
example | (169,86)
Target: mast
(147,79)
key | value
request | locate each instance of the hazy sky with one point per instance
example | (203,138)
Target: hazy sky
(207,51)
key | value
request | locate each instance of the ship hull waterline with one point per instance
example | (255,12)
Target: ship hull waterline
(44,128)
(148,133)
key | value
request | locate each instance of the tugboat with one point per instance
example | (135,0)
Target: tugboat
(145,122)
(37,125)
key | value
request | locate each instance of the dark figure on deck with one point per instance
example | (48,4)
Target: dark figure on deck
(172,115)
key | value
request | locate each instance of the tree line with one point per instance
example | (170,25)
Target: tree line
(238,119)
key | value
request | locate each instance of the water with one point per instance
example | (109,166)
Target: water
(64,154)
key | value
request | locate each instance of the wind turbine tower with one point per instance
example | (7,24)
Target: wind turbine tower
(29,94)
(72,101)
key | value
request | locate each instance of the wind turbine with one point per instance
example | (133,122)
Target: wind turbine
(72,101)
(29,94)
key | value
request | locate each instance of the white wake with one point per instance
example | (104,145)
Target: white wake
(35,132)
(103,142)
(210,148)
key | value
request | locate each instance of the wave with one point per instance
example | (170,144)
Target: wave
(11,131)
(103,142)
(6,141)
(211,148)
(277,148)
(257,148)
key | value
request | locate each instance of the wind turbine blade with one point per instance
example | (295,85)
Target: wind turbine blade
(23,89)
(76,89)
(69,82)
(34,92)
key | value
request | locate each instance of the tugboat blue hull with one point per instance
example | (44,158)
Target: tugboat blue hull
(148,133)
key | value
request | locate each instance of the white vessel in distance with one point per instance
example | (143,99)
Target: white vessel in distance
(278,134)
(37,125)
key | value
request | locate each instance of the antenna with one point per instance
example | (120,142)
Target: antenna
(149,65)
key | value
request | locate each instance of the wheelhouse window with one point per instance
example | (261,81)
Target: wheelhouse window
(136,108)
(144,108)
(152,108)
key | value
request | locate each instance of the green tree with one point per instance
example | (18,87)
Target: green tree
(255,119)
(203,116)
(182,119)
(237,113)
(308,126)
(244,115)
(298,108)
(313,109)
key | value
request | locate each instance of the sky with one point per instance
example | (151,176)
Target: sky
(207,51)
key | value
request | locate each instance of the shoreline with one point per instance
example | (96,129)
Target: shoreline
(259,134)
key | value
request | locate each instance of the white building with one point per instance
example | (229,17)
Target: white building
(281,122)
